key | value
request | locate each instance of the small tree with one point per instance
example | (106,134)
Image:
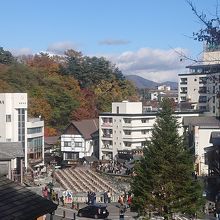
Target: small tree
(163,179)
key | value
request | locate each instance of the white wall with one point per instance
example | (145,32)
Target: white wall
(126,107)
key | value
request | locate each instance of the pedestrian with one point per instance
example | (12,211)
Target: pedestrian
(109,196)
(105,197)
(62,200)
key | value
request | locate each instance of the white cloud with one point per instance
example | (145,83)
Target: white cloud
(153,64)
(60,47)
(21,51)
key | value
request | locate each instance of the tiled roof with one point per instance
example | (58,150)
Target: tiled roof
(10,150)
(87,127)
(51,140)
(201,121)
(19,203)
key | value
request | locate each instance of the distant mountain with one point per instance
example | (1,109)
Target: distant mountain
(141,82)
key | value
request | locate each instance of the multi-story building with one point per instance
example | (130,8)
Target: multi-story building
(77,140)
(35,141)
(16,127)
(127,128)
(199,130)
(202,84)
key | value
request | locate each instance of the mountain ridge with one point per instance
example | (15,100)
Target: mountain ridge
(141,82)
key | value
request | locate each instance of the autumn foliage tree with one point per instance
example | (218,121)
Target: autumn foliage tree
(64,88)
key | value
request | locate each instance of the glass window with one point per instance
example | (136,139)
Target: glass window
(8,118)
(78,144)
(127,132)
(127,120)
(144,120)
(67,143)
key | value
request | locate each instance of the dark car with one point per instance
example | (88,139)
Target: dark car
(94,211)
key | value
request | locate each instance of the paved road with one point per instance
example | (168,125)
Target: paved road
(114,214)
(69,213)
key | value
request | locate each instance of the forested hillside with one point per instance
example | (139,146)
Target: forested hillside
(64,88)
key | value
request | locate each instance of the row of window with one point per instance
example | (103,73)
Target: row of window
(72,144)
(126,144)
(34,130)
(126,120)
(35,142)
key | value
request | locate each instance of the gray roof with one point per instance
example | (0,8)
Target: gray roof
(10,150)
(90,159)
(52,140)
(18,202)
(201,121)
(87,127)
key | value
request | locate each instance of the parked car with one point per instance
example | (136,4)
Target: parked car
(94,211)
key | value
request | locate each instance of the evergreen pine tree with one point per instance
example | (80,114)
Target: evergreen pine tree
(163,180)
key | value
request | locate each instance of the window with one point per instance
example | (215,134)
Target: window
(78,144)
(144,120)
(213,99)
(117,109)
(182,98)
(213,109)
(145,131)
(8,118)
(183,81)
(72,156)
(67,143)
(202,99)
(34,130)
(127,144)
(127,120)
(127,132)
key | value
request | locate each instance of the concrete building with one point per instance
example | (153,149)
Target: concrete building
(202,84)
(16,127)
(127,128)
(77,139)
(199,131)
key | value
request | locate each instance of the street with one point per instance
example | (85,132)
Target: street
(69,213)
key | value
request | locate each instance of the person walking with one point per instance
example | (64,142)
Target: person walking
(109,196)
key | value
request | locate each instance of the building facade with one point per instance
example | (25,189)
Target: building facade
(202,84)
(127,128)
(15,125)
(77,140)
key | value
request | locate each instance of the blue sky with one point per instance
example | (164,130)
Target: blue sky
(139,36)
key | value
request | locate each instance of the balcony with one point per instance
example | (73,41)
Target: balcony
(107,147)
(183,83)
(183,92)
(106,124)
(107,136)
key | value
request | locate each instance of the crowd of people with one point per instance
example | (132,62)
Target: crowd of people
(114,167)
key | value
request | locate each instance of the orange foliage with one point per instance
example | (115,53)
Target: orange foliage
(48,132)
(39,107)
(87,107)
(43,62)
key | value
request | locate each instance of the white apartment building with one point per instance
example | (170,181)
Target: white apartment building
(16,127)
(127,128)
(202,84)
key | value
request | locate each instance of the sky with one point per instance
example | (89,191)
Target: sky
(141,37)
